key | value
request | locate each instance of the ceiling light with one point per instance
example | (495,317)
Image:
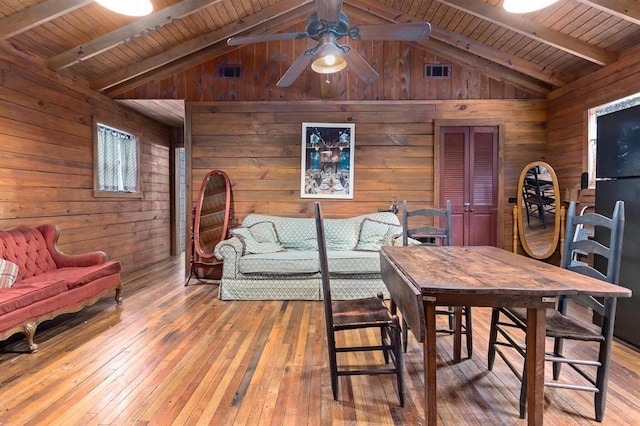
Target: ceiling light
(328,58)
(128,7)
(522,6)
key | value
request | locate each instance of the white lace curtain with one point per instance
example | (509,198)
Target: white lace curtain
(118,166)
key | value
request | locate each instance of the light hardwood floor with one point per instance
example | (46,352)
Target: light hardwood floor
(177,355)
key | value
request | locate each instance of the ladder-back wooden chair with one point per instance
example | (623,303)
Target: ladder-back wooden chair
(355,314)
(562,325)
(438,232)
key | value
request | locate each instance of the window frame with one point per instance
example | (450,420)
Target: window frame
(592,129)
(124,129)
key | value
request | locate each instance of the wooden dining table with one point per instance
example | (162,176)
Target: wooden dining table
(419,278)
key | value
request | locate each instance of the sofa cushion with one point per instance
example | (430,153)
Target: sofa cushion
(8,273)
(78,276)
(25,294)
(259,238)
(307,262)
(287,262)
(353,262)
(374,234)
(342,234)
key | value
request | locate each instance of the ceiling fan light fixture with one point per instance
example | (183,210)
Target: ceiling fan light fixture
(328,59)
(128,7)
(520,6)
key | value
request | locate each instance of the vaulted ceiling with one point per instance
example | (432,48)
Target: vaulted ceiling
(111,53)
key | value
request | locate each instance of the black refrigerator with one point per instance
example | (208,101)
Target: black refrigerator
(618,178)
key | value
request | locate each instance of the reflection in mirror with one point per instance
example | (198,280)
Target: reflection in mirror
(212,213)
(538,221)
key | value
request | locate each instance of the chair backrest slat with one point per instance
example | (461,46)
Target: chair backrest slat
(591,249)
(441,233)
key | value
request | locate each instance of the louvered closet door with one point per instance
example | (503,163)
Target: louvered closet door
(469,178)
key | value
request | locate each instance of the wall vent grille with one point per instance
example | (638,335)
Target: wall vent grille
(229,71)
(437,70)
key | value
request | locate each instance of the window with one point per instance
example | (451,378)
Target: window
(116,162)
(592,136)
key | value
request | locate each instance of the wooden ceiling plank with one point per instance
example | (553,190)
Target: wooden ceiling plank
(466,44)
(46,11)
(268,14)
(534,30)
(126,33)
(623,9)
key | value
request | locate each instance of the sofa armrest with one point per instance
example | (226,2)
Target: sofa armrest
(230,252)
(50,233)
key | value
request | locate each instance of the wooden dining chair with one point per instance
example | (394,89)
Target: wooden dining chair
(538,197)
(355,314)
(562,325)
(438,233)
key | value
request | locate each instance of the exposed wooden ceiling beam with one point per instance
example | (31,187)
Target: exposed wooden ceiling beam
(533,30)
(211,45)
(126,33)
(470,52)
(36,15)
(623,9)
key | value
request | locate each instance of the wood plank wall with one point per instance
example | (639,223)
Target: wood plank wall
(567,119)
(258,144)
(251,129)
(46,173)
(400,65)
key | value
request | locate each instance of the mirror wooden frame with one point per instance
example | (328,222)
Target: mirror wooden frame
(519,209)
(210,221)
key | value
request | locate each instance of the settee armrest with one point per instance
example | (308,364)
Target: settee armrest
(50,233)
(230,252)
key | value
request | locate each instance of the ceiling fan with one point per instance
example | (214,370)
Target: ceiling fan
(326,26)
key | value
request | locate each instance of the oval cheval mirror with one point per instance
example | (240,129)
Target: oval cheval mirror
(211,214)
(538,210)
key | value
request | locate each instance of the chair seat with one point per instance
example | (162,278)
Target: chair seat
(559,325)
(370,310)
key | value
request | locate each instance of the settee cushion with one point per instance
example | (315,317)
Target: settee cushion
(78,276)
(22,294)
(261,237)
(307,262)
(374,234)
(289,262)
(8,273)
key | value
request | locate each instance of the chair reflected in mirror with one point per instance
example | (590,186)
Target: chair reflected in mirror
(435,228)
(344,316)
(538,196)
(508,325)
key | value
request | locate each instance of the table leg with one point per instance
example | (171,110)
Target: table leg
(536,329)
(429,353)
(457,333)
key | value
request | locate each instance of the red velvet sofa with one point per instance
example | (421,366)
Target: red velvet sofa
(48,282)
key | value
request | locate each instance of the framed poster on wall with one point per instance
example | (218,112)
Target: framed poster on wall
(327,160)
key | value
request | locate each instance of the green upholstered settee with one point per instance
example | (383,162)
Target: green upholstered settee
(276,258)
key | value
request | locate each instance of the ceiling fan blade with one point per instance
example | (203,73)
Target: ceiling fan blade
(246,39)
(329,10)
(299,65)
(412,31)
(357,64)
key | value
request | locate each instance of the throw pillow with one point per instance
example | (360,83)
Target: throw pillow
(8,273)
(375,234)
(259,238)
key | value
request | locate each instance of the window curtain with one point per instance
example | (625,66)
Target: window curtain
(118,168)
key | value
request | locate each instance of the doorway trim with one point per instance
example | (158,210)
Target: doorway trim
(503,218)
